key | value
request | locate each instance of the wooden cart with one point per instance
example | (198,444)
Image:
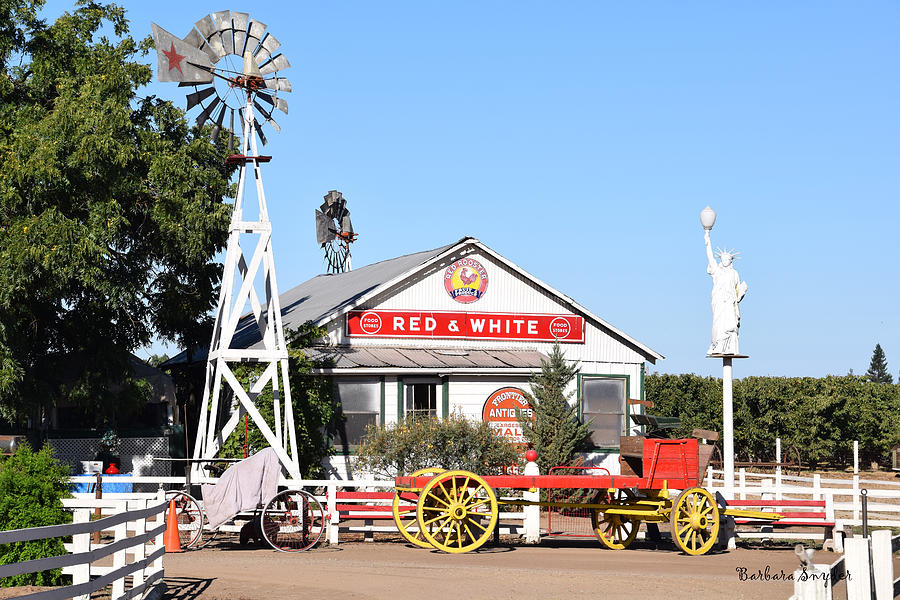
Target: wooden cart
(456,511)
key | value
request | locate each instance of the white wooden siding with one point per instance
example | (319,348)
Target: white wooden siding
(507,292)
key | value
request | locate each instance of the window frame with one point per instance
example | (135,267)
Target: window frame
(438,385)
(625,410)
(333,431)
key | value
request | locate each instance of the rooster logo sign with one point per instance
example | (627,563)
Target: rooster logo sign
(465,280)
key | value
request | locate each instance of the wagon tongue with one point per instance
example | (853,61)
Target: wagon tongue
(751,514)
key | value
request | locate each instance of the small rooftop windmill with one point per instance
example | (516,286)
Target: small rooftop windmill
(228,39)
(334,231)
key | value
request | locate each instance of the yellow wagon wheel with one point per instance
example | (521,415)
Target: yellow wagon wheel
(616,532)
(405,516)
(457,511)
(695,521)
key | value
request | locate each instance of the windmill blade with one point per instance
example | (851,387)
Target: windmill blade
(275,102)
(259,132)
(267,47)
(195,98)
(268,98)
(324,228)
(231,131)
(280,84)
(254,35)
(263,112)
(239,22)
(346,225)
(203,116)
(214,136)
(337,209)
(222,19)
(196,40)
(274,125)
(207,27)
(278,63)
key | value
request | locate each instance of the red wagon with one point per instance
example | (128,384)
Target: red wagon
(457,511)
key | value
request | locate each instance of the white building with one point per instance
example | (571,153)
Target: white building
(442,330)
(447,329)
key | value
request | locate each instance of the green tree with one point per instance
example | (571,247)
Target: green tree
(157,359)
(817,419)
(556,433)
(111,211)
(878,369)
(312,397)
(696,401)
(32,486)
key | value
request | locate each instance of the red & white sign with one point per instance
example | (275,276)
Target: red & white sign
(466,325)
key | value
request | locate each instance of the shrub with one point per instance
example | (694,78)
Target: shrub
(32,486)
(452,443)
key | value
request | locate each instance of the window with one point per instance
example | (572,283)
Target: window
(603,403)
(360,401)
(421,400)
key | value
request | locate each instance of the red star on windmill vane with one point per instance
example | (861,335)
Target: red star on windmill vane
(174,58)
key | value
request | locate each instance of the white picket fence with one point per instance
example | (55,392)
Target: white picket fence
(325,491)
(843,499)
(137,525)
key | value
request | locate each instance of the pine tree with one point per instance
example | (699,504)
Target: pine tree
(878,371)
(556,433)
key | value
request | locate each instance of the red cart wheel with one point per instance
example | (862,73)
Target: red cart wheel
(292,521)
(614,531)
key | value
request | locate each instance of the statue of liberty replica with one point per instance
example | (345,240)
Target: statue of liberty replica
(728,290)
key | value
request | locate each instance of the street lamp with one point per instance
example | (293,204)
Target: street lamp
(707,218)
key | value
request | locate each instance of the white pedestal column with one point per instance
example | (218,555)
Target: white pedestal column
(728,427)
(728,421)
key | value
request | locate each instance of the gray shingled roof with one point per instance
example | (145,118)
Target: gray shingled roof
(321,296)
(343,357)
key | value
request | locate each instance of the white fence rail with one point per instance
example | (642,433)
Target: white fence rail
(325,491)
(843,499)
(143,518)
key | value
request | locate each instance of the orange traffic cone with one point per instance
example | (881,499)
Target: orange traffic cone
(170,538)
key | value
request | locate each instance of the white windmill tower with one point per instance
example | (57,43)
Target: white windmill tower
(247,72)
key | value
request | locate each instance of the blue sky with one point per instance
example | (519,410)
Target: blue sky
(581,140)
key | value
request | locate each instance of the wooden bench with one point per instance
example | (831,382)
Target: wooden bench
(795,513)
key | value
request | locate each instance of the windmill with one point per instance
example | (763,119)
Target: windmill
(207,59)
(334,231)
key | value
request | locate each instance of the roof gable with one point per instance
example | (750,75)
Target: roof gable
(328,297)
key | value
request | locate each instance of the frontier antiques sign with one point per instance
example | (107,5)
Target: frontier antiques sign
(500,412)
(465,325)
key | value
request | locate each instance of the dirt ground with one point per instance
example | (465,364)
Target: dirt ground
(555,569)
